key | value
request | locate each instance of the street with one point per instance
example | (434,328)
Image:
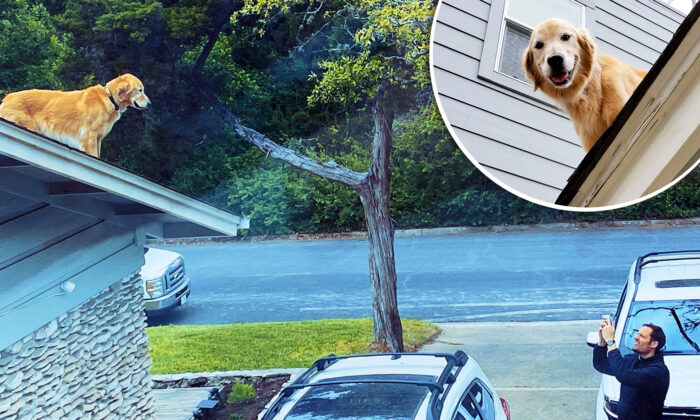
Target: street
(539,275)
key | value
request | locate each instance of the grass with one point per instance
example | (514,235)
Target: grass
(203,348)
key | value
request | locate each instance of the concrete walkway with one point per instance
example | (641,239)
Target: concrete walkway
(543,369)
(178,403)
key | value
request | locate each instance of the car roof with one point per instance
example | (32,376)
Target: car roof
(437,365)
(383,365)
(668,276)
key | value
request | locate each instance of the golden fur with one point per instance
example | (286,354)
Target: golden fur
(592,88)
(80,118)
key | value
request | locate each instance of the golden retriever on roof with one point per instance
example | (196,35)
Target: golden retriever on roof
(562,61)
(81,118)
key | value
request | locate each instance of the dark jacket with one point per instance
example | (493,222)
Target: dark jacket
(644,382)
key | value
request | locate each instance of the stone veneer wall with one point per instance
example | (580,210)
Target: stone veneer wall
(91,362)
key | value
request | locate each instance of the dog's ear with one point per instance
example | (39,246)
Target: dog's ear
(530,71)
(584,41)
(123,90)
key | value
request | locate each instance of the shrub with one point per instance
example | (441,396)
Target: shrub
(241,393)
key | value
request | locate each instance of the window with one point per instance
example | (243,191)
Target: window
(508,33)
(477,404)
(358,401)
(680,320)
(616,315)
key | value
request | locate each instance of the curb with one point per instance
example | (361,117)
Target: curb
(294,372)
(459,230)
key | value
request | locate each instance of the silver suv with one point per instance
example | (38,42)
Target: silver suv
(388,386)
(165,284)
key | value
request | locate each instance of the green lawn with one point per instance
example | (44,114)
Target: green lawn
(200,348)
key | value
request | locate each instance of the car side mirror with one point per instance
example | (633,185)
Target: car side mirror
(592,338)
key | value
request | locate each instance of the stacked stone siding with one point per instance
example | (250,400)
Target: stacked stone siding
(90,363)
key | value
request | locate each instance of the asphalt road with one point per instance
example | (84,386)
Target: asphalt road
(509,276)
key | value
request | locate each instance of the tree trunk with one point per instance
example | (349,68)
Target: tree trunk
(374,190)
(375,195)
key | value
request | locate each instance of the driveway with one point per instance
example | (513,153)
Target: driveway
(543,369)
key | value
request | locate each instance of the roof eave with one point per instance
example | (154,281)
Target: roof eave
(49,155)
(590,184)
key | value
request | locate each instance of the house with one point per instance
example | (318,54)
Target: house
(518,137)
(655,140)
(72,229)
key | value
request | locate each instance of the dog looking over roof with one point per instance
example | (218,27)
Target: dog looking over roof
(80,118)
(562,61)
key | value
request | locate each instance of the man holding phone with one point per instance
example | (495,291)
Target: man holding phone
(643,376)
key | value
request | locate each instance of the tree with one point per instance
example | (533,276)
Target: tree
(383,64)
(31,50)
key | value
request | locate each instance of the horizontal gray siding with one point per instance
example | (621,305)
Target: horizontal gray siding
(523,143)
(635,32)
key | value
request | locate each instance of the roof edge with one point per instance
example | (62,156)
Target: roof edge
(587,165)
(18,143)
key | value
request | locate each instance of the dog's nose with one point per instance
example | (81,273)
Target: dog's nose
(556,61)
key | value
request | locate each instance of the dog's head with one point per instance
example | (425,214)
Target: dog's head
(128,90)
(559,57)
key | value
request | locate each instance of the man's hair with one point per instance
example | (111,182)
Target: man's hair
(657,334)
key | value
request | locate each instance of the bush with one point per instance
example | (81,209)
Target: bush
(241,393)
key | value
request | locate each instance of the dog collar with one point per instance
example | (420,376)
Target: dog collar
(111,99)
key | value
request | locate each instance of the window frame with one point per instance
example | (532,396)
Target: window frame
(466,394)
(493,44)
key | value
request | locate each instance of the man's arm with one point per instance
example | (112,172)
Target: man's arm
(600,354)
(600,360)
(624,371)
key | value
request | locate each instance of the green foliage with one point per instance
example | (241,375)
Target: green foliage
(236,416)
(32,51)
(241,393)
(299,71)
(390,49)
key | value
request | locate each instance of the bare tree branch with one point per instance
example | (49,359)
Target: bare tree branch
(329,170)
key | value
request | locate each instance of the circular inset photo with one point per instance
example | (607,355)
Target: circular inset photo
(577,105)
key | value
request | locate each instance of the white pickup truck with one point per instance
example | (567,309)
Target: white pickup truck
(165,284)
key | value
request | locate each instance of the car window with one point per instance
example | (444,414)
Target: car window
(483,399)
(679,319)
(363,401)
(477,404)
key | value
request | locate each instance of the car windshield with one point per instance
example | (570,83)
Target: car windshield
(679,319)
(367,401)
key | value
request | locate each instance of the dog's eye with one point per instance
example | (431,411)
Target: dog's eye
(539,45)
(565,37)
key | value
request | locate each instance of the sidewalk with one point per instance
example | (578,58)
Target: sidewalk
(459,230)
(543,369)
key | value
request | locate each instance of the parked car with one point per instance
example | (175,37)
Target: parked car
(662,288)
(391,386)
(165,284)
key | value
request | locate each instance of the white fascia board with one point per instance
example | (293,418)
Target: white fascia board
(51,156)
(654,147)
